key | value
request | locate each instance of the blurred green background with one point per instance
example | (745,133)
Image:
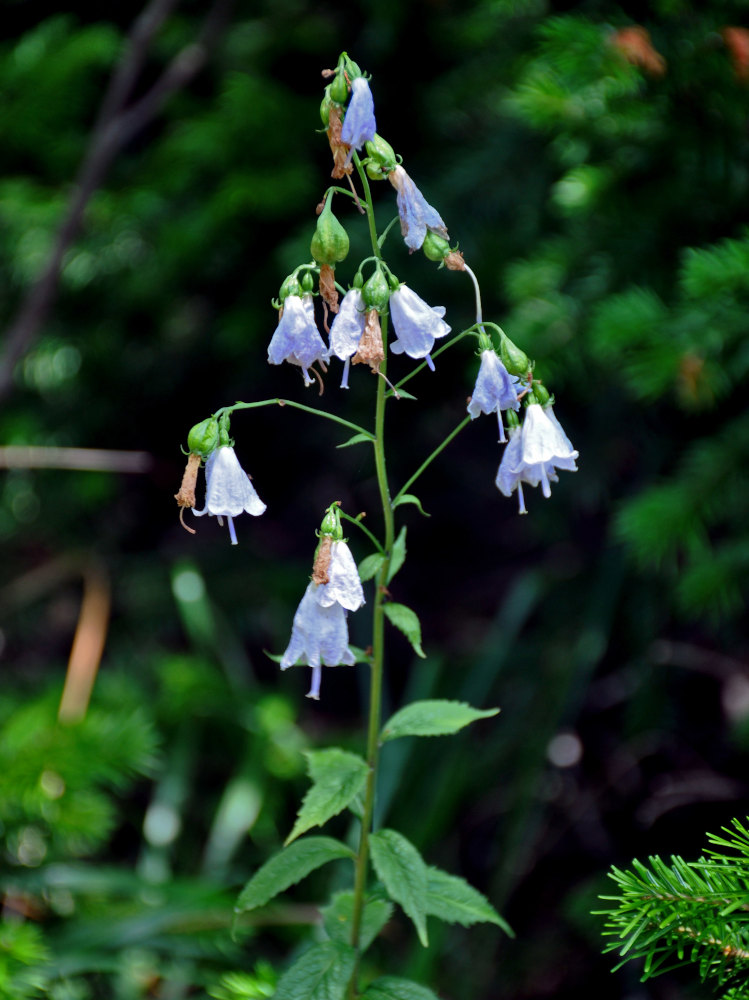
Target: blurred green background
(591,160)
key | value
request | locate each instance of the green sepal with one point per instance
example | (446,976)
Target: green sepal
(515,361)
(453,900)
(407,621)
(395,988)
(376,291)
(410,498)
(432,717)
(203,438)
(338,89)
(289,286)
(323,972)
(288,867)
(356,439)
(369,567)
(337,917)
(435,247)
(541,393)
(398,556)
(402,871)
(331,523)
(337,778)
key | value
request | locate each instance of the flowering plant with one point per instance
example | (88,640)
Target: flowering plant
(331,969)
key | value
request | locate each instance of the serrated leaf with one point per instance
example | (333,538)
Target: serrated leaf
(370,566)
(322,973)
(453,900)
(394,988)
(402,871)
(337,778)
(410,498)
(399,554)
(356,439)
(287,868)
(435,717)
(406,620)
(338,915)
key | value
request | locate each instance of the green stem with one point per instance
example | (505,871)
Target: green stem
(370,535)
(297,406)
(428,461)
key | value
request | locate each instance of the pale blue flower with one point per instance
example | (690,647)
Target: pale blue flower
(416,323)
(359,124)
(228,489)
(344,584)
(319,636)
(495,390)
(416,214)
(296,338)
(347,328)
(534,453)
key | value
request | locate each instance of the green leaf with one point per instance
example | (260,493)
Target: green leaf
(410,498)
(399,554)
(356,439)
(370,566)
(405,619)
(337,917)
(288,867)
(322,973)
(401,869)
(435,717)
(453,900)
(402,394)
(393,988)
(337,778)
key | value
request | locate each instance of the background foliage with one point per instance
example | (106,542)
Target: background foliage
(596,179)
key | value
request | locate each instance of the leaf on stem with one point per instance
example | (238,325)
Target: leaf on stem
(337,778)
(434,717)
(453,900)
(356,439)
(288,867)
(394,988)
(370,566)
(322,973)
(402,871)
(410,498)
(406,620)
(338,915)
(399,554)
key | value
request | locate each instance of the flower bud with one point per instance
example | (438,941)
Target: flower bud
(290,286)
(382,158)
(485,342)
(330,242)
(513,420)
(331,523)
(308,283)
(541,393)
(515,361)
(435,247)
(203,437)
(338,89)
(376,292)
(325,107)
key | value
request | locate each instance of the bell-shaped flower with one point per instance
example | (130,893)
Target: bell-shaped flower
(495,390)
(416,323)
(228,489)
(347,329)
(344,584)
(296,338)
(319,636)
(359,124)
(534,453)
(416,214)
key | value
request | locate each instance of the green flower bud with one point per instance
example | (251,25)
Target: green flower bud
(511,418)
(204,437)
(290,286)
(325,107)
(331,523)
(382,157)
(330,242)
(515,361)
(435,247)
(541,393)
(393,282)
(308,283)
(376,292)
(485,341)
(358,280)
(338,89)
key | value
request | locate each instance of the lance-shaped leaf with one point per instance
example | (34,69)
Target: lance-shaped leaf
(338,915)
(322,973)
(410,498)
(435,717)
(402,871)
(288,867)
(370,566)
(453,900)
(399,554)
(356,439)
(337,778)
(394,988)
(406,620)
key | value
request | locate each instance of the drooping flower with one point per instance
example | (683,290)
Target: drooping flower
(296,338)
(319,636)
(228,489)
(416,214)
(359,125)
(343,584)
(347,329)
(534,453)
(416,323)
(495,390)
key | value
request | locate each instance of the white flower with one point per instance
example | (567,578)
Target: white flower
(228,489)
(319,636)
(297,339)
(416,323)
(344,584)
(495,390)
(347,329)
(534,453)
(416,214)
(359,125)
